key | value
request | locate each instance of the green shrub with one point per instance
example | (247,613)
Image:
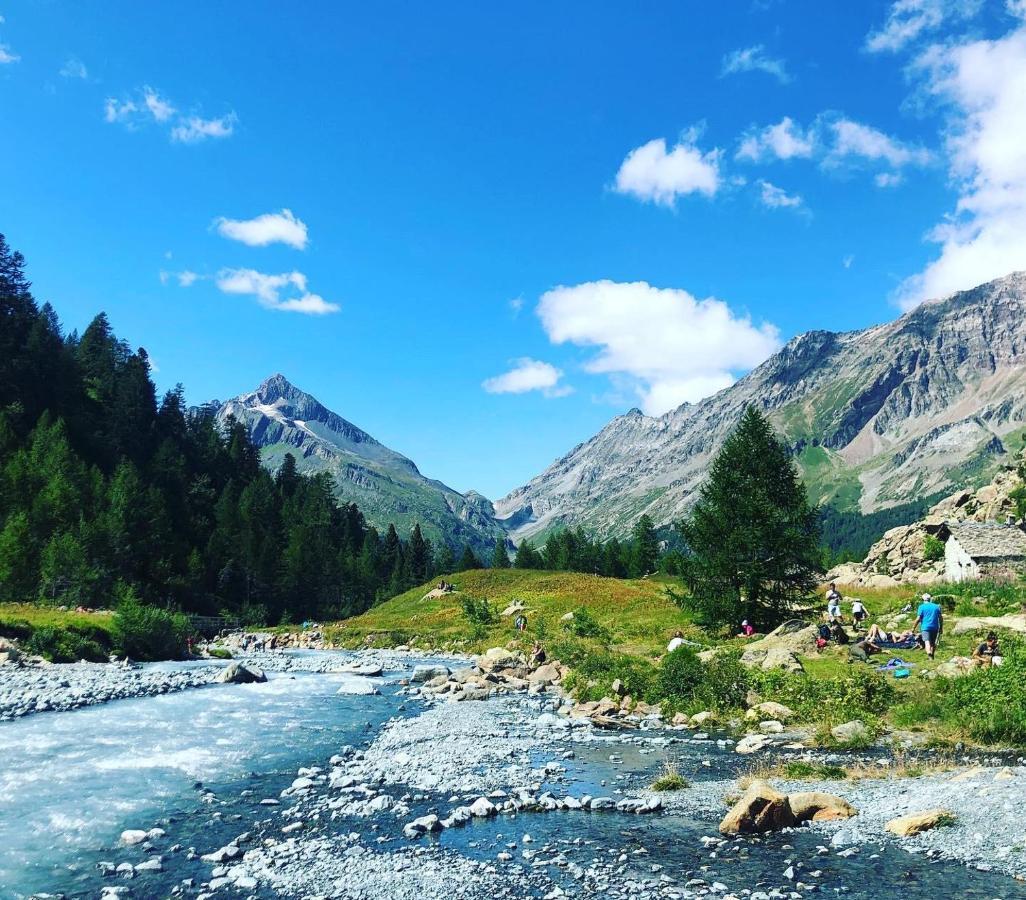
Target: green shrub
(219,653)
(670,781)
(990,704)
(933,548)
(63,645)
(480,614)
(726,681)
(682,678)
(583,625)
(859,693)
(148,633)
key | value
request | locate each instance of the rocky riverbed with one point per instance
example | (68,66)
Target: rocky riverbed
(447,782)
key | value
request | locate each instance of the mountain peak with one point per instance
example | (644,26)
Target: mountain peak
(278,387)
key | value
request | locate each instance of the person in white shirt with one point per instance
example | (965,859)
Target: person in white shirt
(833,598)
(858,613)
(676,641)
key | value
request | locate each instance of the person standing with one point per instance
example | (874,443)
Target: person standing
(833,598)
(930,618)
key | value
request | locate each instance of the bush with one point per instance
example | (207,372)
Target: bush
(858,694)
(990,705)
(933,548)
(594,670)
(583,625)
(63,645)
(480,613)
(219,653)
(147,633)
(726,681)
(682,678)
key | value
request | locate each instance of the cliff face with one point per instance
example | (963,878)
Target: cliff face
(387,486)
(875,418)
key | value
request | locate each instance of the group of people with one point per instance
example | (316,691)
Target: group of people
(925,633)
(446,587)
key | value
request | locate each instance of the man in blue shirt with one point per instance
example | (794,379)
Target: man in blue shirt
(930,617)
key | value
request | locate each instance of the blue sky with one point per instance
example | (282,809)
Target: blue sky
(504,225)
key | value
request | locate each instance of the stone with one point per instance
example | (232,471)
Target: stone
(357,686)
(771,726)
(753,743)
(426,673)
(851,732)
(772,710)
(760,809)
(701,718)
(547,674)
(132,836)
(781,658)
(151,865)
(818,806)
(367,670)
(499,658)
(956,667)
(423,825)
(237,673)
(916,823)
(482,808)
(969,624)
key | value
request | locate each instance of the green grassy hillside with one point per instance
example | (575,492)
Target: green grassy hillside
(638,615)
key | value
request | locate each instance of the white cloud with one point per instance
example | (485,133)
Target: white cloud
(270,228)
(194,129)
(74,68)
(268,290)
(7,55)
(847,261)
(528,375)
(652,174)
(785,140)
(908,20)
(754,59)
(158,107)
(147,105)
(888,179)
(854,139)
(777,198)
(982,84)
(515,305)
(187,278)
(673,347)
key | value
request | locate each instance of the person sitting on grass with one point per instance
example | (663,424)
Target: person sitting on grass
(676,641)
(538,655)
(930,619)
(746,629)
(989,653)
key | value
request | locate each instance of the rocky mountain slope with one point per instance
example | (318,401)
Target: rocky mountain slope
(387,486)
(876,418)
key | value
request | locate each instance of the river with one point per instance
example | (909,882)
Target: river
(198,763)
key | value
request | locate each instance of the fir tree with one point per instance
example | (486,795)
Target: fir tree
(468,560)
(445,561)
(752,538)
(527,557)
(500,558)
(419,554)
(644,548)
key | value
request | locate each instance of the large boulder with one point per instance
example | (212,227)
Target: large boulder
(785,643)
(237,673)
(971,624)
(817,806)
(499,658)
(547,674)
(770,710)
(781,658)
(760,809)
(428,672)
(916,823)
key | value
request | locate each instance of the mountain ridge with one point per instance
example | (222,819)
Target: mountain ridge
(874,417)
(388,487)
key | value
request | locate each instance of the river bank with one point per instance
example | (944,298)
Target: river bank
(308,792)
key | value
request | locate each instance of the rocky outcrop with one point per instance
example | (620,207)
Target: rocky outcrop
(899,557)
(817,806)
(970,624)
(895,412)
(781,648)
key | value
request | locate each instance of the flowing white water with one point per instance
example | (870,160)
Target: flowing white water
(71,782)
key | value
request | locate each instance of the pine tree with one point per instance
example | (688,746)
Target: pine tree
(468,560)
(288,476)
(445,561)
(527,557)
(419,554)
(644,548)
(500,558)
(752,538)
